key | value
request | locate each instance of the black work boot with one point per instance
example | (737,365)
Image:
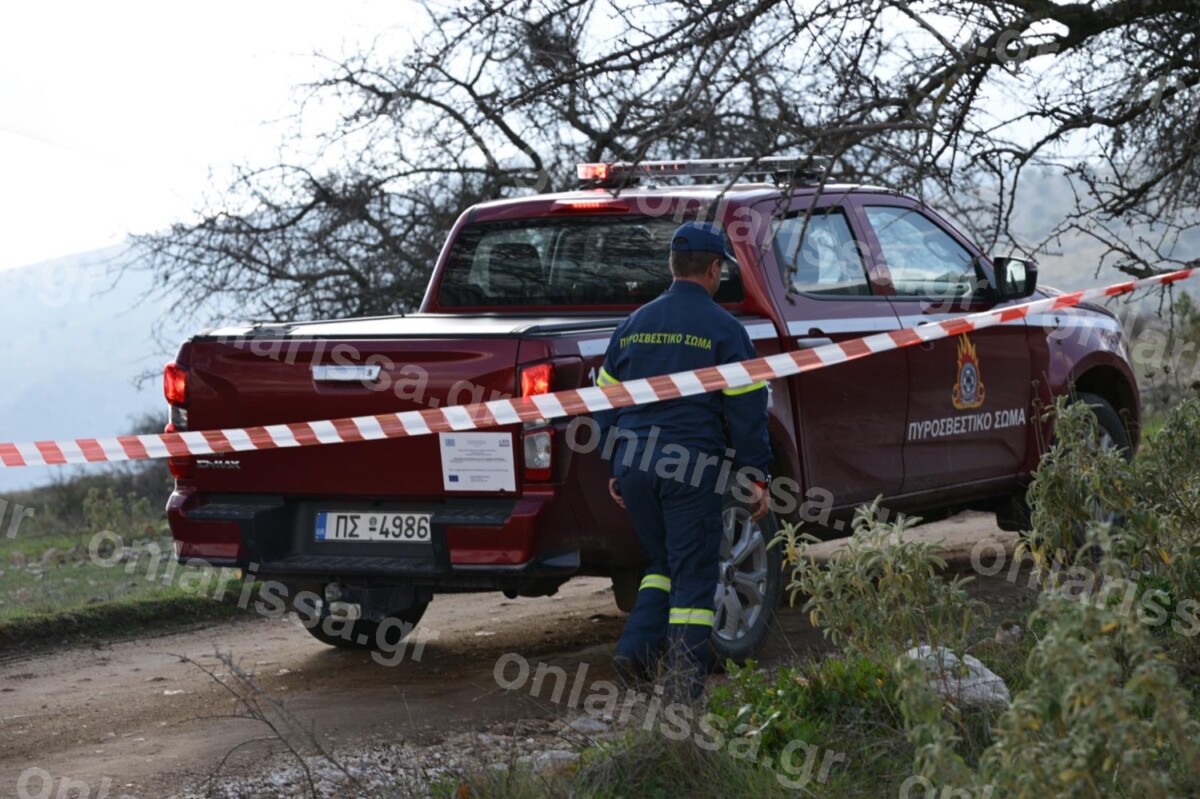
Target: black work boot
(630,673)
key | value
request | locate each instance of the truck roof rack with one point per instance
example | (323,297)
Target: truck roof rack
(801,169)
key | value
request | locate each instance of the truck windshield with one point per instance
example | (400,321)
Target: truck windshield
(559,261)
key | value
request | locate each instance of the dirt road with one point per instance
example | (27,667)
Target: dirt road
(134,714)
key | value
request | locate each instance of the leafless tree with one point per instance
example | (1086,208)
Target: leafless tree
(952,101)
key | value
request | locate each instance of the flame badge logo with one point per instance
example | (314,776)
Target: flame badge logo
(968,391)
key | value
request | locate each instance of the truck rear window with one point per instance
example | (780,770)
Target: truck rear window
(576,261)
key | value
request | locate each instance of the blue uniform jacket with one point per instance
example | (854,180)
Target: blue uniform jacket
(685,329)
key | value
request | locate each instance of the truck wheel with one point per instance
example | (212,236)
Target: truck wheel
(364,634)
(1112,435)
(750,584)
(1112,432)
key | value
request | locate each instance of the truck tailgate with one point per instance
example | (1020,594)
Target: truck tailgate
(241,382)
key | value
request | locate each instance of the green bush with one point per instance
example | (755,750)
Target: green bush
(883,592)
(1104,714)
(1141,515)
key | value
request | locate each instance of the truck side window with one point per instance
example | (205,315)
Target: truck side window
(924,260)
(827,261)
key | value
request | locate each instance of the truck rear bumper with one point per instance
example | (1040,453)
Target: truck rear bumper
(476,543)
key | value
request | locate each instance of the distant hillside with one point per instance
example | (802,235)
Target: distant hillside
(71,346)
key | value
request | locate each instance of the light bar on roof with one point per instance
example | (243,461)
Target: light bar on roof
(703,167)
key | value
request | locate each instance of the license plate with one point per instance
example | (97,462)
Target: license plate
(373,526)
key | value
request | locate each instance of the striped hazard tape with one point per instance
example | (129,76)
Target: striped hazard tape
(570,402)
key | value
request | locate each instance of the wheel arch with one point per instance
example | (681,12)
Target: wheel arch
(1116,388)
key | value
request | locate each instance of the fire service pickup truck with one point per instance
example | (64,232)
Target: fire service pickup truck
(523,300)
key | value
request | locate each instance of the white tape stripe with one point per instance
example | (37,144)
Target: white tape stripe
(368,427)
(735,374)
(196,443)
(281,435)
(549,405)
(414,423)
(594,399)
(240,440)
(458,417)
(641,391)
(325,432)
(503,412)
(687,383)
(878,344)
(113,450)
(71,451)
(154,445)
(830,354)
(31,454)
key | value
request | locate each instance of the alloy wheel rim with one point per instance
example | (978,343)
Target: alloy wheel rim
(742,588)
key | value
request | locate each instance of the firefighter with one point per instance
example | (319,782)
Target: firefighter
(669,459)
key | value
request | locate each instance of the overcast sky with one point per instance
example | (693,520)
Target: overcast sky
(112,114)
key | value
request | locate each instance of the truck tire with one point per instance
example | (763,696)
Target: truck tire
(1112,431)
(365,634)
(1112,436)
(1015,514)
(749,586)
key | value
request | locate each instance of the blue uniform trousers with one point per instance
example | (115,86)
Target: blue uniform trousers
(679,527)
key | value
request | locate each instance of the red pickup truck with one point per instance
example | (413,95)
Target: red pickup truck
(523,300)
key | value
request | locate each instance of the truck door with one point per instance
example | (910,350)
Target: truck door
(851,416)
(969,396)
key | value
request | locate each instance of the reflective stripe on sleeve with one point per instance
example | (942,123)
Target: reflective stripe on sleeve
(660,581)
(605,379)
(699,616)
(733,392)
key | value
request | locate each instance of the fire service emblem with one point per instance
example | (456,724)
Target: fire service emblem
(968,391)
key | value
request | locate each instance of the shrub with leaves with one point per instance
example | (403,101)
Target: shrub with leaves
(883,592)
(1139,520)
(129,516)
(1104,714)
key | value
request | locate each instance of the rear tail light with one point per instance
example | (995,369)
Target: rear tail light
(175,390)
(536,379)
(175,383)
(539,454)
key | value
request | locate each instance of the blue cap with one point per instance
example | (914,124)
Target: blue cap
(700,237)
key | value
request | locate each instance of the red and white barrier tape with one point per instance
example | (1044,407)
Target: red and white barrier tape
(570,402)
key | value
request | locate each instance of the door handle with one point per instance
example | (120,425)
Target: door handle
(925,345)
(811,342)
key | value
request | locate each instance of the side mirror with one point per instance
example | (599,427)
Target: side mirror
(1016,278)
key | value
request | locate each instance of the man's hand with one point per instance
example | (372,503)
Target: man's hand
(615,492)
(758,501)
